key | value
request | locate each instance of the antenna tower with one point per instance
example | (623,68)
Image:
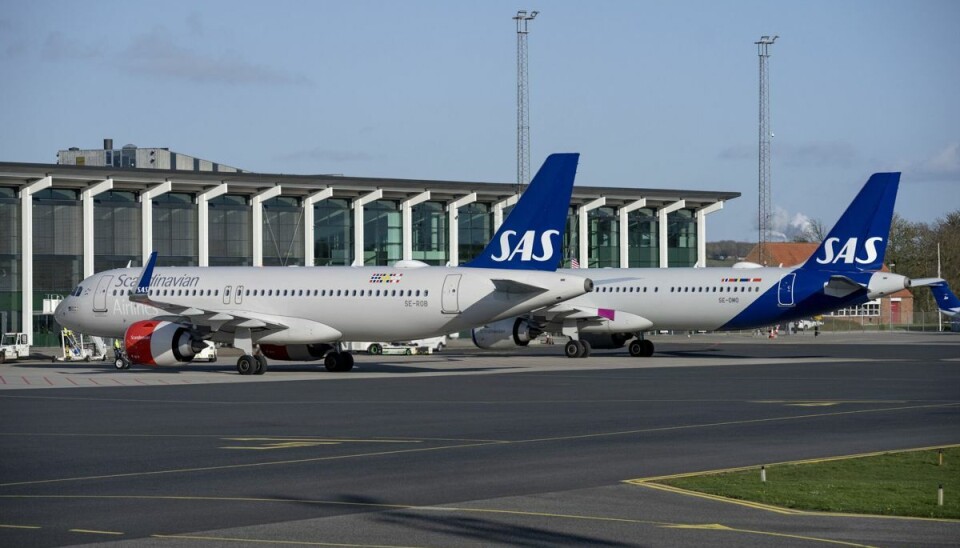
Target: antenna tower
(763,211)
(523,100)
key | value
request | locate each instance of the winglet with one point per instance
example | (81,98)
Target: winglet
(146,275)
(858,241)
(531,237)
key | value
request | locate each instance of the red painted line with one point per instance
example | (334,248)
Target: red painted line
(116,381)
(73,381)
(25,380)
(3,380)
(162,381)
(94,381)
(48,381)
(139,381)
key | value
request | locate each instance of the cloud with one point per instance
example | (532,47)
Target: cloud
(786,226)
(320,154)
(157,54)
(58,47)
(942,166)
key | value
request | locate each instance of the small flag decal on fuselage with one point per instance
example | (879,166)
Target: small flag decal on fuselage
(740,280)
(386,278)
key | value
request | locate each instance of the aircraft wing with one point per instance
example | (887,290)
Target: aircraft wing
(617,320)
(514,286)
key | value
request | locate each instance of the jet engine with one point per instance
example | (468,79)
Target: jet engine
(295,352)
(504,333)
(156,342)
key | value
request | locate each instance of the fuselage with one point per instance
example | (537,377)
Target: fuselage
(318,304)
(725,298)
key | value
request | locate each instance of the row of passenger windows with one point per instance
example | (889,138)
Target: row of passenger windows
(284,292)
(685,289)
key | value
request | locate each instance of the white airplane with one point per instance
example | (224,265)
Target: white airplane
(165,315)
(844,271)
(947,302)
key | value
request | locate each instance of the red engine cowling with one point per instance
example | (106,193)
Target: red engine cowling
(295,352)
(155,342)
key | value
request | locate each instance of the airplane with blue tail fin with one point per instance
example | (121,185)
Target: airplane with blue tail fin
(947,302)
(165,315)
(845,271)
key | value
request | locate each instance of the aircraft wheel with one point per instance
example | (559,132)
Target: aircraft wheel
(647,348)
(120,363)
(261,365)
(585,353)
(332,362)
(347,361)
(573,349)
(246,364)
(636,348)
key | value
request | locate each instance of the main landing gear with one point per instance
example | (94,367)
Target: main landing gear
(252,365)
(577,349)
(641,348)
(338,361)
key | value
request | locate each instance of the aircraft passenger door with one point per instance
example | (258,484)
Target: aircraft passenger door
(226,294)
(449,302)
(785,291)
(239,298)
(100,295)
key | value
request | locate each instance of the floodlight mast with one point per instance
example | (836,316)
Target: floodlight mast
(523,99)
(764,207)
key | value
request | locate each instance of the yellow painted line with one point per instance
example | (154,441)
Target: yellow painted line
(283,542)
(719,527)
(708,496)
(8,526)
(95,532)
(284,445)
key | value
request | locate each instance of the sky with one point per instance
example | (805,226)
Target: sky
(652,94)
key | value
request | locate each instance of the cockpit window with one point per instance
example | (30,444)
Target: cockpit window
(77,291)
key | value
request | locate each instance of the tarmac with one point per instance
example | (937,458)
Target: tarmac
(467,447)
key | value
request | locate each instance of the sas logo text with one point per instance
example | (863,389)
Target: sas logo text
(848,253)
(525,246)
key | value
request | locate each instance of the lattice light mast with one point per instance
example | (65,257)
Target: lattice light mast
(763,211)
(523,100)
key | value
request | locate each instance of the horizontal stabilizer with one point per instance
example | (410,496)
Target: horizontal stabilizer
(841,286)
(513,286)
(924,282)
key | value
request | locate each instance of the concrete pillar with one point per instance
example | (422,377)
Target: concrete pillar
(86,196)
(662,229)
(454,226)
(203,220)
(623,212)
(146,216)
(406,211)
(498,210)
(702,231)
(584,226)
(257,221)
(358,205)
(26,251)
(308,256)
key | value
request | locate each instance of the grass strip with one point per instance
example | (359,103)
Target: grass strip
(891,484)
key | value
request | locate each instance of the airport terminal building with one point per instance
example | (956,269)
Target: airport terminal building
(60,223)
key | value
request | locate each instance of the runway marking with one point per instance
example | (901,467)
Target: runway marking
(479,444)
(7,526)
(466,510)
(284,542)
(95,532)
(291,443)
(651,482)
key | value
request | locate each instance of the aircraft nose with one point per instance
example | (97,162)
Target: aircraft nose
(63,310)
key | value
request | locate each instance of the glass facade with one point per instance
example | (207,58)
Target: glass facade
(382,233)
(475,222)
(57,254)
(230,221)
(332,232)
(571,239)
(681,238)
(643,239)
(11,305)
(282,232)
(116,230)
(429,233)
(604,237)
(175,229)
